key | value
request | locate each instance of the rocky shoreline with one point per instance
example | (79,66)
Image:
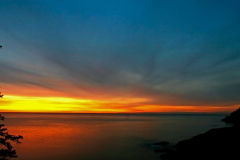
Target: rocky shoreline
(218,143)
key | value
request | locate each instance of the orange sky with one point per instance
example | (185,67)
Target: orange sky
(132,56)
(43,100)
(12,103)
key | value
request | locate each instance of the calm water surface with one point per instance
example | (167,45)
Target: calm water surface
(99,136)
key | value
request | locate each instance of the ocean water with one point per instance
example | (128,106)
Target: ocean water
(101,136)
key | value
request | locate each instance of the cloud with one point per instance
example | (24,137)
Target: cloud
(171,57)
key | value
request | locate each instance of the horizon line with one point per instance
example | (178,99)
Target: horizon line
(120,113)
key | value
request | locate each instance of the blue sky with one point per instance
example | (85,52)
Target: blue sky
(172,52)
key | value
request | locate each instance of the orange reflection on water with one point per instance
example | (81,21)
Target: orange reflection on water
(54,141)
(99,136)
(74,136)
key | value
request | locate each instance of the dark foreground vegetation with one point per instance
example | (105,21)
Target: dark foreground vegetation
(6,149)
(218,143)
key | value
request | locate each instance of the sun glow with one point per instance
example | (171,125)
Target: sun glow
(12,103)
(43,104)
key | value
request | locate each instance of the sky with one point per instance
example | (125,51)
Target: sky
(113,56)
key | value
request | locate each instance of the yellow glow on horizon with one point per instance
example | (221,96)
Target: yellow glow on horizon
(12,103)
(38,99)
(41,104)
(62,104)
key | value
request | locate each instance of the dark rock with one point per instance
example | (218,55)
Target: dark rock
(233,118)
(166,149)
(219,143)
(162,143)
(213,139)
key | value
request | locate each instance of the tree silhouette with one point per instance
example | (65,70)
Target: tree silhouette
(6,149)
